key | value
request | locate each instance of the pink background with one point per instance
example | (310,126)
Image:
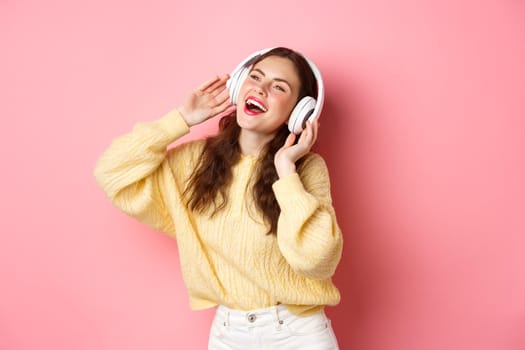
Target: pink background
(423,132)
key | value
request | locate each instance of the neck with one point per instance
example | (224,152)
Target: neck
(252,143)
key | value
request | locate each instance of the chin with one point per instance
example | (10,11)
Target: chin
(243,121)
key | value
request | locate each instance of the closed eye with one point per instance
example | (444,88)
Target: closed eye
(280,88)
(255,77)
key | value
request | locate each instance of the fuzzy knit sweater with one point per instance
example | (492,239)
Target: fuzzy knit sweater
(229,258)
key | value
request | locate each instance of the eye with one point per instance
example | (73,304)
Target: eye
(279,88)
(255,77)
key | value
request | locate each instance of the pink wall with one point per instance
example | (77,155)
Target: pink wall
(423,132)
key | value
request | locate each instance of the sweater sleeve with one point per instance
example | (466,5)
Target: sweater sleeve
(307,231)
(133,170)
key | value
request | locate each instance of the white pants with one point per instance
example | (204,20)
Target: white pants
(270,328)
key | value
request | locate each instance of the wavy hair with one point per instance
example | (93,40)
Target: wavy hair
(208,186)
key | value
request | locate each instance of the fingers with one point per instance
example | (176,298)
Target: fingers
(309,135)
(214,92)
(289,140)
(222,98)
(221,95)
(222,106)
(214,85)
(315,129)
(208,83)
(225,109)
(306,134)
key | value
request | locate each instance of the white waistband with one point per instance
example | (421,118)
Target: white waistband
(258,317)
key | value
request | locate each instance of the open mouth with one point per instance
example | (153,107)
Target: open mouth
(254,106)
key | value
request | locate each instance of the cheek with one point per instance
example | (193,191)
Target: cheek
(246,85)
(286,103)
(244,88)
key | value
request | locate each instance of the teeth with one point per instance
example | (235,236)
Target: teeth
(256,104)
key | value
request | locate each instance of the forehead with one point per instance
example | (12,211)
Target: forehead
(276,67)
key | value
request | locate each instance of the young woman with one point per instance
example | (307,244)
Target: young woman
(250,207)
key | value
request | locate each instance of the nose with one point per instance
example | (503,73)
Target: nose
(259,90)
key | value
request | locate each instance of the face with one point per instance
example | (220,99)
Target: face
(268,95)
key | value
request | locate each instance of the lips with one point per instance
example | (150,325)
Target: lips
(254,106)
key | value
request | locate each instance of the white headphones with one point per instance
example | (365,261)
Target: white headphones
(306,109)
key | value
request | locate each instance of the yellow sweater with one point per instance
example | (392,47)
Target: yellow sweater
(228,258)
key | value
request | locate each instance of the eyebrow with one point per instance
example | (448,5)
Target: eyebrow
(276,79)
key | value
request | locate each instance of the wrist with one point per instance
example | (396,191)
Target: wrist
(283,170)
(185,115)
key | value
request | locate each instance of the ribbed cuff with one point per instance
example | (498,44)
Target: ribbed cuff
(174,124)
(290,193)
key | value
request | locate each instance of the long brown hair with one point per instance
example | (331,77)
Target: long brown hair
(208,186)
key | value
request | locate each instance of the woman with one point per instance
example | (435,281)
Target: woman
(250,207)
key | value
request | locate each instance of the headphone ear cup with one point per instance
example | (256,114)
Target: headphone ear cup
(303,109)
(236,81)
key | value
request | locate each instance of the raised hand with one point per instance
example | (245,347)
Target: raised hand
(290,153)
(208,100)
